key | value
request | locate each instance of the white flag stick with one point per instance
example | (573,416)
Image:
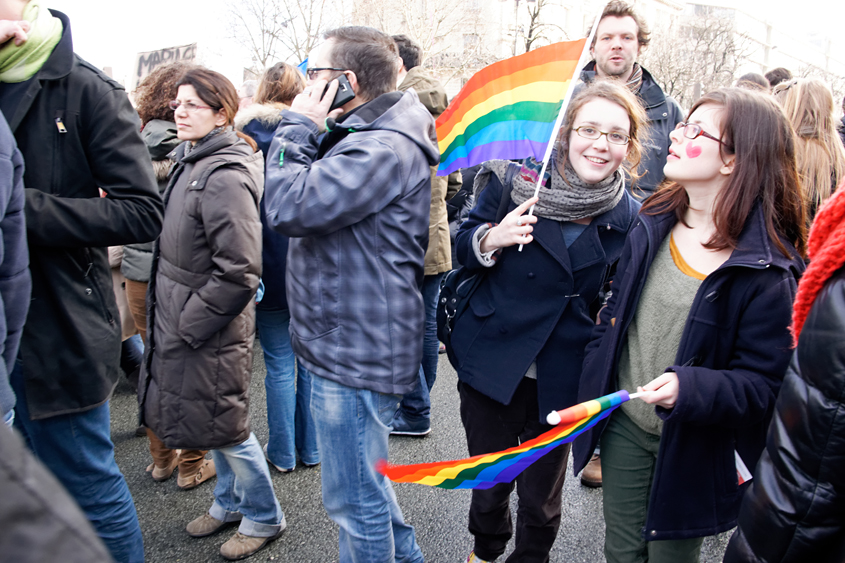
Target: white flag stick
(585,53)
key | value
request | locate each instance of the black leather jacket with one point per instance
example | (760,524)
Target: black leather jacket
(794,510)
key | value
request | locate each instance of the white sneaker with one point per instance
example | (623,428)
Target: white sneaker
(473,558)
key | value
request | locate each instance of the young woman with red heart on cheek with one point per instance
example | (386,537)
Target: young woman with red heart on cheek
(698,320)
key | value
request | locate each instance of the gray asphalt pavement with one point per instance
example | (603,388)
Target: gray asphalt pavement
(439,516)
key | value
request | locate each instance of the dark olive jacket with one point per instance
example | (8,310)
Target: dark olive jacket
(194,388)
(78,133)
(794,510)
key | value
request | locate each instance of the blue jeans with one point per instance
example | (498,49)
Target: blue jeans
(244,490)
(78,449)
(288,395)
(352,430)
(416,405)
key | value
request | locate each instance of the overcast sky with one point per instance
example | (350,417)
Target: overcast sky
(112,32)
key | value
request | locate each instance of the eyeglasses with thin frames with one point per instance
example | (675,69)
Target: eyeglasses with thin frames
(190,107)
(613,137)
(693,131)
(312,73)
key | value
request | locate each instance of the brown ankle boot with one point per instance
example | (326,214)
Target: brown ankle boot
(205,472)
(163,473)
(591,476)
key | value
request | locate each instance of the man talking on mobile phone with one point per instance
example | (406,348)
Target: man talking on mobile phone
(356,206)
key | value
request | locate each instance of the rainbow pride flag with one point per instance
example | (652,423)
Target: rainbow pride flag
(507,110)
(485,471)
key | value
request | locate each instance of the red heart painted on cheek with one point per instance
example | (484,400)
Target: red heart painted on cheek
(693,151)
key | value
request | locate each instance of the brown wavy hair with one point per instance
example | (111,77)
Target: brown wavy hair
(620,9)
(218,92)
(757,134)
(612,91)
(156,90)
(279,83)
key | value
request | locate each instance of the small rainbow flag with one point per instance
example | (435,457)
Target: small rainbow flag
(487,470)
(507,110)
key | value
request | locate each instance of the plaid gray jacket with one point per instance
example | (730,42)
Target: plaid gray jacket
(358,221)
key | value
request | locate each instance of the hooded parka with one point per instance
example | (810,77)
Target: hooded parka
(356,206)
(194,389)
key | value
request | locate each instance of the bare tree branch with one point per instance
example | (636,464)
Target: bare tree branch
(539,26)
(274,30)
(703,49)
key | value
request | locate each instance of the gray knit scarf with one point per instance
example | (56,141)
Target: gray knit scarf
(569,198)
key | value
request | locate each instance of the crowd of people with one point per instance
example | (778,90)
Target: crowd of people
(666,252)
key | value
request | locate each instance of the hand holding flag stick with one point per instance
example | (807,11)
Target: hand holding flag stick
(487,470)
(583,410)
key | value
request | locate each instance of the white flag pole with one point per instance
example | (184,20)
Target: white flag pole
(585,53)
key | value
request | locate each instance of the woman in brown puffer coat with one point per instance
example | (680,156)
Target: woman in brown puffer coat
(201,311)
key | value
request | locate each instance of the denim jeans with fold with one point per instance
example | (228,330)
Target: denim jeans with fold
(352,430)
(288,394)
(244,490)
(78,449)
(416,405)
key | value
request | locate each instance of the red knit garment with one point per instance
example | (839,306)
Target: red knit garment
(826,249)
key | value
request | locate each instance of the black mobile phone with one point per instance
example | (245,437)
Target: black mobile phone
(344,92)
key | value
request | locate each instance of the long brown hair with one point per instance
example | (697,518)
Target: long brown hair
(279,83)
(215,90)
(808,105)
(757,134)
(612,91)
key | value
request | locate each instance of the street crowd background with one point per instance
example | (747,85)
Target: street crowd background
(265,182)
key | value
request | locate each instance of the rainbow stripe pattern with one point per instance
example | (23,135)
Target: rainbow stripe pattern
(487,470)
(508,109)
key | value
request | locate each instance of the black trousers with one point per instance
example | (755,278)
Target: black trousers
(490,427)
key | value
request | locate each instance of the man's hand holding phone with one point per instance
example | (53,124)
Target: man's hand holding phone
(313,104)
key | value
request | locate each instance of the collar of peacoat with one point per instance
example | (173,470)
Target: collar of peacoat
(754,248)
(60,62)
(650,93)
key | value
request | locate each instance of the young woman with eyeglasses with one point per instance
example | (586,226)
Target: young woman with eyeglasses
(698,320)
(521,341)
(201,312)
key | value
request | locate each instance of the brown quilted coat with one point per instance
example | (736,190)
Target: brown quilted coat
(201,311)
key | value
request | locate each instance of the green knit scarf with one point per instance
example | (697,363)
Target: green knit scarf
(21,62)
